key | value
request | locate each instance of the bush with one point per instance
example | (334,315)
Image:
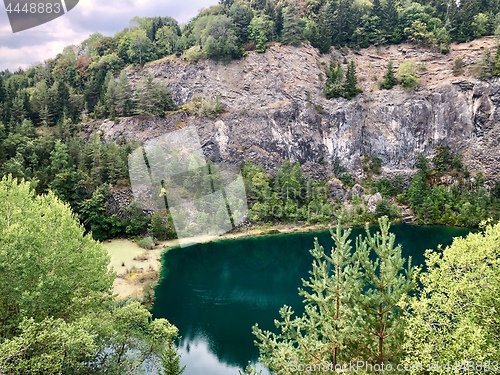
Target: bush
(146,243)
(407,75)
(194,53)
(458,66)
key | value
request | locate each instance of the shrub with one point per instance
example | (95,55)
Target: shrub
(194,53)
(458,66)
(407,75)
(146,243)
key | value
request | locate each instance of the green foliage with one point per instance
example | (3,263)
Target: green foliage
(195,53)
(146,243)
(58,314)
(135,47)
(352,306)
(261,31)
(461,202)
(158,227)
(443,158)
(334,87)
(455,314)
(219,40)
(458,66)
(41,244)
(389,80)
(154,98)
(291,33)
(351,81)
(289,198)
(485,67)
(51,346)
(337,87)
(407,75)
(496,68)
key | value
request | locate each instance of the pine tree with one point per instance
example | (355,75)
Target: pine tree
(387,282)
(171,361)
(110,98)
(123,96)
(329,330)
(351,81)
(333,87)
(389,20)
(158,228)
(389,78)
(352,306)
(291,33)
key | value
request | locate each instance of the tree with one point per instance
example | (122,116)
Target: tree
(165,41)
(123,96)
(158,227)
(261,31)
(328,329)
(334,87)
(389,19)
(135,47)
(389,78)
(59,158)
(153,98)
(58,315)
(353,306)
(51,346)
(455,316)
(387,284)
(110,97)
(41,244)
(241,16)
(443,158)
(291,33)
(218,38)
(351,88)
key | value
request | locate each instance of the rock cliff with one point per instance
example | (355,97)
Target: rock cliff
(274,109)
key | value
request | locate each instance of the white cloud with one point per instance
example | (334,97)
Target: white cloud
(28,47)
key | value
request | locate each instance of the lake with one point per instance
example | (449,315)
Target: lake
(215,292)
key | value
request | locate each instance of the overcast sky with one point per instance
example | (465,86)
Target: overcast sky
(28,47)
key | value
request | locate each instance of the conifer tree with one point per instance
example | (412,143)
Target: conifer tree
(351,81)
(386,284)
(291,33)
(352,306)
(389,78)
(110,98)
(158,228)
(333,87)
(328,329)
(123,96)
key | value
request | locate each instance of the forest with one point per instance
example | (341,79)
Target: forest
(43,109)
(56,182)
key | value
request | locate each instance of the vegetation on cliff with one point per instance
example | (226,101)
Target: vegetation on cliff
(43,108)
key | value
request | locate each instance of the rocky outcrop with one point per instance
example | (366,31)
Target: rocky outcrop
(274,109)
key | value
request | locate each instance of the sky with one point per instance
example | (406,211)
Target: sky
(26,48)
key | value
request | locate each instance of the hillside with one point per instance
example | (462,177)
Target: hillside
(275,109)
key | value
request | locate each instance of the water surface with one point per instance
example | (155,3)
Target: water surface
(215,292)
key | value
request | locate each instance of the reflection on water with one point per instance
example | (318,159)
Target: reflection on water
(215,292)
(199,360)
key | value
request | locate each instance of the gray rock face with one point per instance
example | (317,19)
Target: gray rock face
(275,110)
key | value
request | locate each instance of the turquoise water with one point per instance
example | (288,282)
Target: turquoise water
(215,292)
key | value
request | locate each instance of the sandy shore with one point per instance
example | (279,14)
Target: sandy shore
(138,269)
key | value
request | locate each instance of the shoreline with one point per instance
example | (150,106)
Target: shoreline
(138,270)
